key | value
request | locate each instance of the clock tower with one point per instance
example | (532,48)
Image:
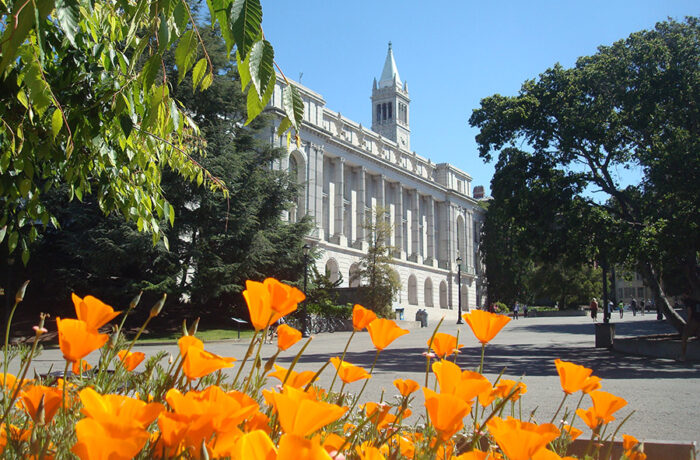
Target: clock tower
(390,102)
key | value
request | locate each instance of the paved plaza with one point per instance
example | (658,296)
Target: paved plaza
(662,392)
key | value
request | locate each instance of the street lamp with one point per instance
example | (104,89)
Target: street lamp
(459,290)
(306,248)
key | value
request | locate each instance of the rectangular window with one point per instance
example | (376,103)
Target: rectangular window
(640,292)
(390,106)
(379,112)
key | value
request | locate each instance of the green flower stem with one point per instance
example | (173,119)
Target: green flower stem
(316,375)
(496,410)
(430,345)
(296,360)
(365,384)
(561,404)
(342,358)
(481,362)
(20,381)
(607,454)
(7,338)
(248,352)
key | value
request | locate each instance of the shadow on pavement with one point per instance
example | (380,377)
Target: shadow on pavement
(519,360)
(622,328)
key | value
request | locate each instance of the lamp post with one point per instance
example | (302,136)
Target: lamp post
(459,290)
(306,248)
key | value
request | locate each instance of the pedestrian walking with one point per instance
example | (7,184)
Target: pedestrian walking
(641,305)
(621,307)
(516,310)
(525,310)
(633,306)
(594,309)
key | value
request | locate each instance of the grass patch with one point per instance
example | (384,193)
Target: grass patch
(204,335)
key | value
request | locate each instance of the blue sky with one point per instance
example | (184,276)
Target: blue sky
(451,53)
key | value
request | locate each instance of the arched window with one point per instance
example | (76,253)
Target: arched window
(412,290)
(354,275)
(428,293)
(332,270)
(443,294)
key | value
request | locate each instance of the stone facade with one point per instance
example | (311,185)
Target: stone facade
(347,170)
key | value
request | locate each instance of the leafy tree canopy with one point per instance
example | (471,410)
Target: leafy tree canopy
(634,104)
(84,102)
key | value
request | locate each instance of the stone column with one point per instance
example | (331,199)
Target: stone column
(415,226)
(398,223)
(340,201)
(432,246)
(409,224)
(361,205)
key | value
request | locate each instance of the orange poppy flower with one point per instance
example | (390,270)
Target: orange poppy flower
(256,444)
(379,414)
(406,387)
(31,400)
(572,432)
(572,376)
(7,380)
(546,454)
(302,416)
(293,447)
(76,340)
(199,362)
(118,408)
(485,325)
(349,373)
(366,451)
(592,383)
(605,404)
(331,442)
(589,417)
(269,301)
(361,317)
(465,384)
(130,360)
(521,440)
(383,332)
(93,311)
(109,440)
(258,421)
(628,442)
(444,345)
(80,367)
(475,454)
(406,447)
(211,409)
(295,379)
(287,336)
(446,412)
(502,389)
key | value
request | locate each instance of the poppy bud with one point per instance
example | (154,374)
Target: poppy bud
(20,292)
(41,412)
(155,310)
(193,329)
(205,453)
(135,301)
(184,327)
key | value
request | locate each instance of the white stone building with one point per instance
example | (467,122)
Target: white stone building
(347,169)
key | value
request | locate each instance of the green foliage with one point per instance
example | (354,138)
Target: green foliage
(628,106)
(216,243)
(84,103)
(380,281)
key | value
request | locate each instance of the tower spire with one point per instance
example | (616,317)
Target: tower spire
(390,72)
(390,104)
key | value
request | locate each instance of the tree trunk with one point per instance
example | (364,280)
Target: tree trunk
(660,299)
